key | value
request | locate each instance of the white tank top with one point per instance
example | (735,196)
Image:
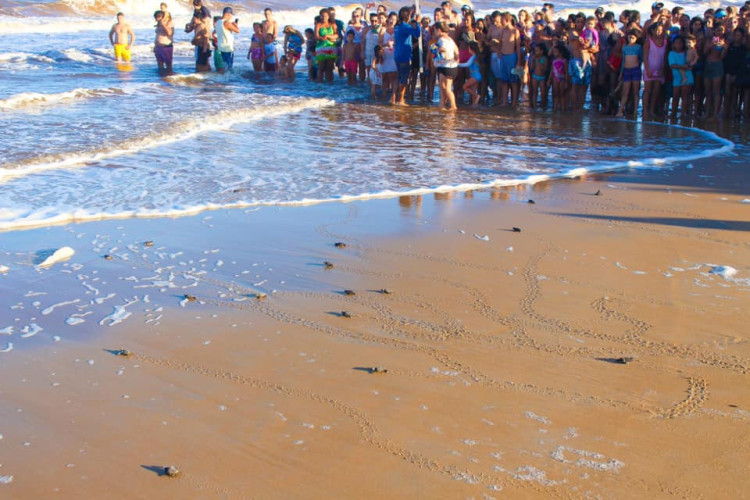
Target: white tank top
(224,38)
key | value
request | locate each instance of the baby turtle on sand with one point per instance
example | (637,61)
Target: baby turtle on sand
(346,314)
(171,471)
(124,353)
(350,292)
(516,229)
(385,291)
(148,243)
(260,295)
(625,360)
(340,244)
(379,369)
(328,265)
(531,202)
(108,257)
(598,192)
(190,298)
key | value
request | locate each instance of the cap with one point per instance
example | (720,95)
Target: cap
(720,14)
(657,5)
(228,10)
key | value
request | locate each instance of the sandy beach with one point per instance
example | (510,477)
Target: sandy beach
(503,349)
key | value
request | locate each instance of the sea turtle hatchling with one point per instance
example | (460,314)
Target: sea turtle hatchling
(171,471)
(385,291)
(516,229)
(260,295)
(379,369)
(148,243)
(328,265)
(346,314)
(124,353)
(189,298)
(340,244)
(350,292)
(108,257)
(625,360)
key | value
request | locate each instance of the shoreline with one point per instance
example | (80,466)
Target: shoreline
(501,352)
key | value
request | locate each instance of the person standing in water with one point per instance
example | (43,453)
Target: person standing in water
(122,38)
(163,49)
(225,30)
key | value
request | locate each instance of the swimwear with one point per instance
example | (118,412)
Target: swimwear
(257,53)
(508,63)
(632,74)
(325,50)
(270,68)
(351,66)
(713,69)
(202,56)
(473,66)
(558,69)
(228,59)
(218,61)
(655,62)
(163,54)
(580,73)
(539,78)
(122,52)
(614,62)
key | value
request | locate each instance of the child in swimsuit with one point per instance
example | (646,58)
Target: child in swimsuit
(559,78)
(475,76)
(539,69)
(351,53)
(630,74)
(255,54)
(376,77)
(269,50)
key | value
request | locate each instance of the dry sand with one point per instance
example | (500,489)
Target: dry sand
(501,352)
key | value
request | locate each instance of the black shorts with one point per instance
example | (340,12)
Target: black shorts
(203,57)
(451,73)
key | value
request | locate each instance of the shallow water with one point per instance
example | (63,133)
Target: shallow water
(84,139)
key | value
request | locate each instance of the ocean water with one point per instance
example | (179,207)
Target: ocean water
(85,140)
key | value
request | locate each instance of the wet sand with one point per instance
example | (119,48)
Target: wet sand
(501,348)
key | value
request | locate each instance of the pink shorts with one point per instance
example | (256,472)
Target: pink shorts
(351,66)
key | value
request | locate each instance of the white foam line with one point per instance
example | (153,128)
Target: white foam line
(32,99)
(60,304)
(181,211)
(189,130)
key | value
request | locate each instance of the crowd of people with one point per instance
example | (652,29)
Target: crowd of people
(667,63)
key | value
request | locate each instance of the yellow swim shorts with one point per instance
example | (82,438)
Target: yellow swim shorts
(122,52)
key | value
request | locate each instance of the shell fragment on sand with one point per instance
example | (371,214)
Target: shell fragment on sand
(58,255)
(171,471)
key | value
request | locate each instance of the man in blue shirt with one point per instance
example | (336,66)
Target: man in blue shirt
(406,28)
